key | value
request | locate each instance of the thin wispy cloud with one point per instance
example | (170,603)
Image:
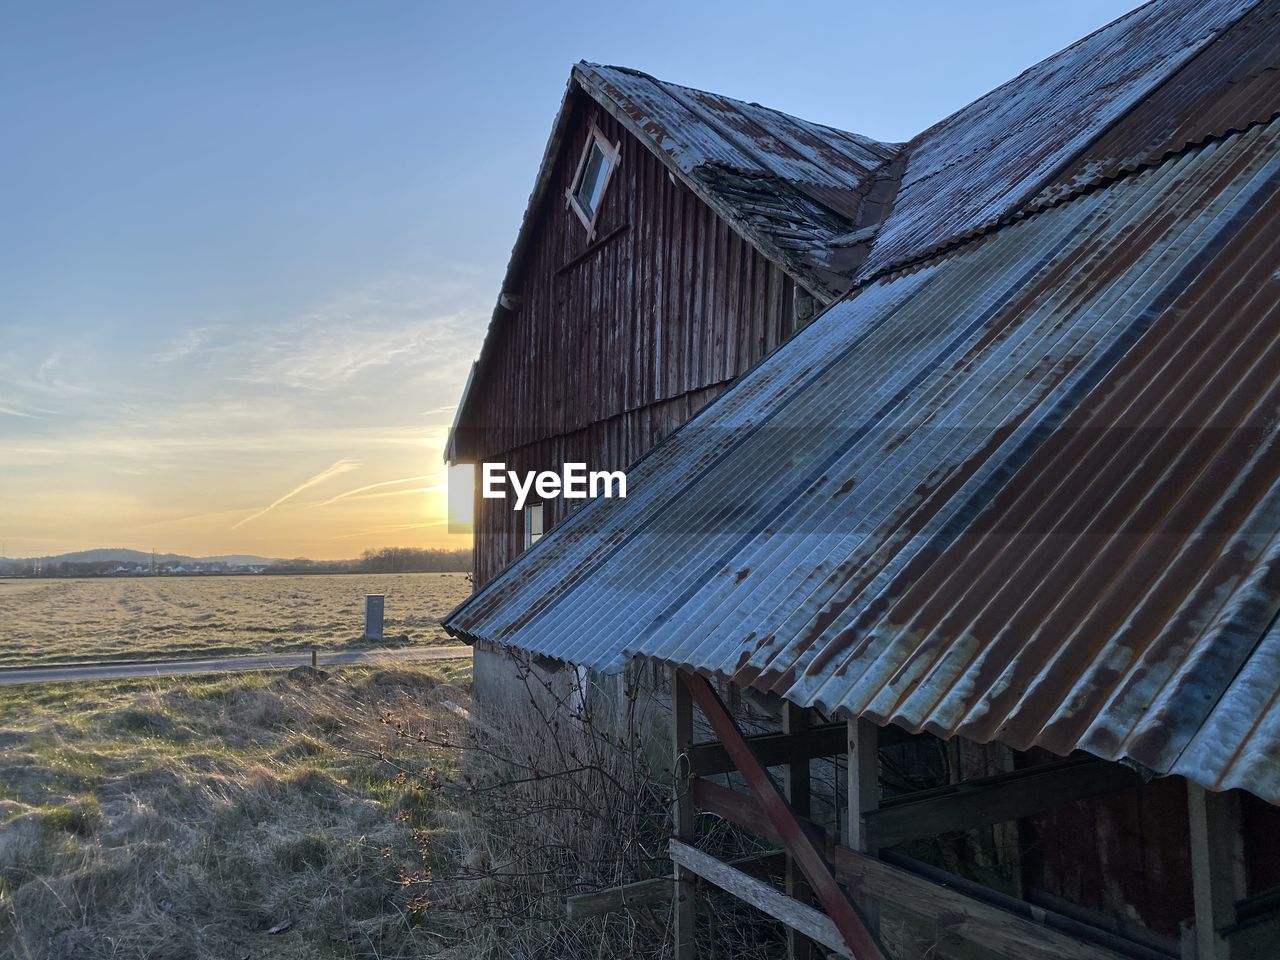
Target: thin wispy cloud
(188,343)
(350,494)
(341,467)
(398,493)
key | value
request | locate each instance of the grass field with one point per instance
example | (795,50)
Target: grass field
(61,621)
(188,818)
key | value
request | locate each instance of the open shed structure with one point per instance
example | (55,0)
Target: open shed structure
(1019,485)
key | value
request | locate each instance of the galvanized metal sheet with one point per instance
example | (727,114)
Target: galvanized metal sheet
(793,186)
(1228,85)
(1029,492)
(985,161)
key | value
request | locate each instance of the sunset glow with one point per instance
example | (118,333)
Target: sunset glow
(249,251)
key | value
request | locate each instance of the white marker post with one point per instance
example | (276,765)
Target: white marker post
(373,604)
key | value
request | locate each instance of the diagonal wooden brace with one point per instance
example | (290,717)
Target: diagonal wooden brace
(798,843)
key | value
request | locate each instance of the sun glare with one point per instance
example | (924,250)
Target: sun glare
(461,498)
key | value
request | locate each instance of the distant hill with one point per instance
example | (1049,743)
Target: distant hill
(238,560)
(119,561)
(121,555)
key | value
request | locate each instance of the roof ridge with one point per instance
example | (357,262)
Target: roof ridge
(861,139)
(927,131)
(1035,209)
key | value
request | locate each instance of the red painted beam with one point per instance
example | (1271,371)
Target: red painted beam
(799,845)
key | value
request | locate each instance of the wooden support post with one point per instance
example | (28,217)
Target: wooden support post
(685,913)
(863,798)
(796,788)
(863,782)
(1217,867)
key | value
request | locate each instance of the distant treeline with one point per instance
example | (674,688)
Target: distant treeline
(386,560)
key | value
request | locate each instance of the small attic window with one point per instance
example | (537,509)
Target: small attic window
(599,158)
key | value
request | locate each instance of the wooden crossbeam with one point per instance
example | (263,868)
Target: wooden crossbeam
(771,749)
(778,749)
(799,844)
(628,895)
(814,924)
(996,799)
(745,811)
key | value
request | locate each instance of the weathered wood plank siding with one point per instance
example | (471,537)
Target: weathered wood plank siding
(611,444)
(616,340)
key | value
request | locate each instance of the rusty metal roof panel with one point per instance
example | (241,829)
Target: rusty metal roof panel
(791,185)
(987,160)
(1027,492)
(695,127)
(1229,85)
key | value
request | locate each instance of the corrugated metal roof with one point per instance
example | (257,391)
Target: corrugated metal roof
(791,185)
(983,162)
(1029,492)
(1231,83)
(695,127)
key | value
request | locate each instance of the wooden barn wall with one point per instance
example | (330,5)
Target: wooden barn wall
(668,299)
(612,444)
(666,302)
(1126,856)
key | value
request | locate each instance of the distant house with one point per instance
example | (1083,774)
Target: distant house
(1013,486)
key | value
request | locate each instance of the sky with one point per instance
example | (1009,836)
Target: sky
(248,251)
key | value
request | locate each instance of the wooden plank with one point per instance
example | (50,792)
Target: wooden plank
(812,923)
(863,784)
(997,799)
(1217,868)
(682,817)
(997,930)
(743,810)
(796,788)
(798,843)
(583,905)
(863,792)
(771,749)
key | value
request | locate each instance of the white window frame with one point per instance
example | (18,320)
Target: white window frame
(530,509)
(612,154)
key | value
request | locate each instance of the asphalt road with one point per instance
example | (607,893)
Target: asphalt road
(261,661)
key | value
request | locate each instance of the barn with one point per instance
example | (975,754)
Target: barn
(967,441)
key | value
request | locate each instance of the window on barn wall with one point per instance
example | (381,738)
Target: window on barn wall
(534,520)
(595,166)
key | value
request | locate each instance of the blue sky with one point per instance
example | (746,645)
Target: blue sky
(248,250)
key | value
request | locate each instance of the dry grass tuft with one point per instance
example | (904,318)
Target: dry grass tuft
(185,819)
